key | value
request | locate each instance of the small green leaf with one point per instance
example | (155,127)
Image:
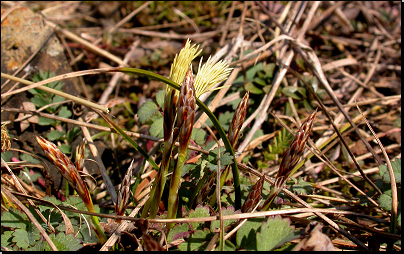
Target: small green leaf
(200,211)
(29,158)
(40,101)
(57,99)
(160,97)
(7,155)
(228,246)
(147,109)
(246,234)
(156,128)
(385,200)
(55,135)
(65,112)
(225,119)
(302,187)
(211,159)
(292,91)
(178,232)
(64,242)
(65,149)
(384,173)
(188,167)
(226,211)
(6,238)
(269,70)
(273,233)
(45,121)
(21,238)
(198,135)
(39,246)
(252,88)
(198,241)
(267,88)
(14,219)
(260,81)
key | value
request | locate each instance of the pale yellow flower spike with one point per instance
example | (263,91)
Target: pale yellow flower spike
(210,74)
(182,61)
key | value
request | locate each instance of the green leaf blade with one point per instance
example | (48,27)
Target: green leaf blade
(147,110)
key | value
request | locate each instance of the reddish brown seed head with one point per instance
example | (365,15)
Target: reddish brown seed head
(80,156)
(238,120)
(66,168)
(124,193)
(296,147)
(254,196)
(186,110)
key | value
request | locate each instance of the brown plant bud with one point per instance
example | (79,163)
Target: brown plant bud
(186,110)
(66,168)
(124,193)
(254,196)
(296,147)
(80,156)
(238,120)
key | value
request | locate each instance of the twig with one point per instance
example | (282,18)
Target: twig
(394,194)
(101,167)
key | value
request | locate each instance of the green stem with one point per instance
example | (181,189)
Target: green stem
(153,202)
(223,178)
(206,177)
(174,187)
(270,199)
(96,223)
(98,230)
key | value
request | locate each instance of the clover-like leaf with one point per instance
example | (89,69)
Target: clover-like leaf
(64,242)
(147,110)
(65,112)
(273,233)
(21,238)
(198,241)
(302,187)
(226,211)
(178,232)
(246,234)
(14,219)
(396,165)
(198,135)
(55,135)
(160,97)
(156,128)
(200,211)
(45,121)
